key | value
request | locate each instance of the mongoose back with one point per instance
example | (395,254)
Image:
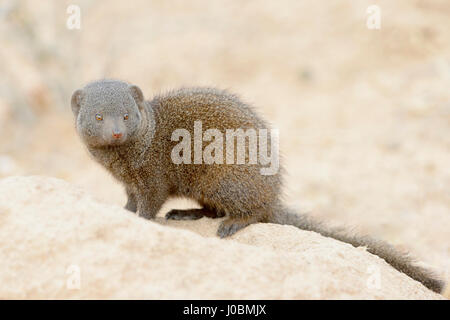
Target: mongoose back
(135,139)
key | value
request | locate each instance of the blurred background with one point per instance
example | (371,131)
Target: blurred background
(364,114)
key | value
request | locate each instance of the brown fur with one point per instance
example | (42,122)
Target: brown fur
(142,162)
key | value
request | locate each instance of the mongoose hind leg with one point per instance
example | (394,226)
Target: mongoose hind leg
(232,225)
(237,222)
(193,214)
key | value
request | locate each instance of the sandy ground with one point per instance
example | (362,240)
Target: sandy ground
(53,246)
(364,115)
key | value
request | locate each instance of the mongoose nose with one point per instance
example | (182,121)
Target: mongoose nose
(117,134)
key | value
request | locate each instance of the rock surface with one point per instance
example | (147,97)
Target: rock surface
(56,241)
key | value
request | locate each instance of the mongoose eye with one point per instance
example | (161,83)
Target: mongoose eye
(98,117)
(125,116)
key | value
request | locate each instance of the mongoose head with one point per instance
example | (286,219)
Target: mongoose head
(108,112)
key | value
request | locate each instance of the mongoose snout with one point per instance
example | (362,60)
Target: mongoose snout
(134,140)
(117,134)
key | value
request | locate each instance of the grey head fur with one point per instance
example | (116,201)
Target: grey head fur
(108,112)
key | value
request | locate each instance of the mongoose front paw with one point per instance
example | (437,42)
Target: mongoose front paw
(131,207)
(146,215)
(230,226)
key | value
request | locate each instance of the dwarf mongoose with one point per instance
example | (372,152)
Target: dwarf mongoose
(138,141)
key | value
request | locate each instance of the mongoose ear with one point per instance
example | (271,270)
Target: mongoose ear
(76,101)
(137,95)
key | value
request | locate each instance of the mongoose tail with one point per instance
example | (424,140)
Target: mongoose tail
(400,261)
